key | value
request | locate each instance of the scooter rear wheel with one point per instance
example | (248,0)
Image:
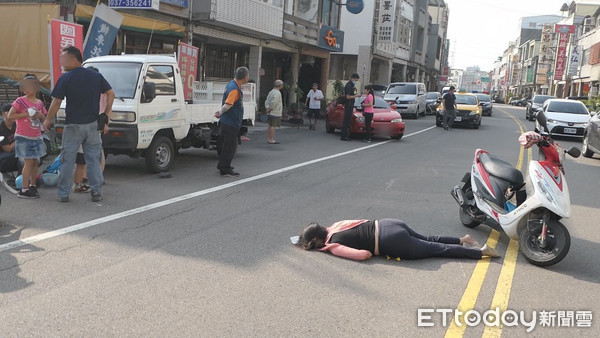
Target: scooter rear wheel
(465,218)
(558,242)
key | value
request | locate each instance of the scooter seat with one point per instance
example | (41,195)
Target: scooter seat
(501,169)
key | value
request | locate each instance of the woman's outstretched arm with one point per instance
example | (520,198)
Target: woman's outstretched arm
(351,253)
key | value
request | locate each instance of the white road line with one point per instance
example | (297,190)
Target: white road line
(134,211)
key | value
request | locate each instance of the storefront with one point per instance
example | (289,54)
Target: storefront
(139,35)
(30,54)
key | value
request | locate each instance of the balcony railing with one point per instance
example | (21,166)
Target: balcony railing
(300,30)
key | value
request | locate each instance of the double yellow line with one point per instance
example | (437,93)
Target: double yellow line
(504,284)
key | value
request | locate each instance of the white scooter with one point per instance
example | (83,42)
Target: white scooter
(494,190)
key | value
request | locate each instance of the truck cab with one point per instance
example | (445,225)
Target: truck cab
(150,116)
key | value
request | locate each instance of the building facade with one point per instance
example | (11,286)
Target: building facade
(405,42)
(276,39)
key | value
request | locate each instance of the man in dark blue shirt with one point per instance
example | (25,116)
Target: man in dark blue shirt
(82,88)
(350,93)
(230,118)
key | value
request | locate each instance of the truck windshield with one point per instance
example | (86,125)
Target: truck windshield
(122,76)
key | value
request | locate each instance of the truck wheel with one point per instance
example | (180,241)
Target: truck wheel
(160,155)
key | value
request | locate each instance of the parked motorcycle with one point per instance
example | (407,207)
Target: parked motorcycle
(529,211)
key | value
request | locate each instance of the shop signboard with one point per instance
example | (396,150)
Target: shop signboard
(62,34)
(134,4)
(102,32)
(188,66)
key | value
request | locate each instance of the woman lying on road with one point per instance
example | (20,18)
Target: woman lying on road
(361,239)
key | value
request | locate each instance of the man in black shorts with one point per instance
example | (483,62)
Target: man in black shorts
(313,102)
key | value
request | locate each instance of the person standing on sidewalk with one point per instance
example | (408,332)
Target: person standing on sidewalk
(230,118)
(313,101)
(351,95)
(82,88)
(274,105)
(449,105)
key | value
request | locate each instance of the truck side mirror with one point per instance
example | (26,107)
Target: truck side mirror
(148,92)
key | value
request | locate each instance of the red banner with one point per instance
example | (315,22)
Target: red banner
(188,66)
(561,56)
(62,34)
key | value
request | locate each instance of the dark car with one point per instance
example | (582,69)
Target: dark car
(518,102)
(486,104)
(499,99)
(591,138)
(535,105)
(433,101)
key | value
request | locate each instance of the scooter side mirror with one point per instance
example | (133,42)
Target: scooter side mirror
(541,119)
(574,152)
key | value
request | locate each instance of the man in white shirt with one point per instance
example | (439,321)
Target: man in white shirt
(274,106)
(313,101)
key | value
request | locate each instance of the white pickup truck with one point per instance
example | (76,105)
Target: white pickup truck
(150,116)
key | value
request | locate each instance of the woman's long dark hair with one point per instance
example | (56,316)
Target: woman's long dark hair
(313,236)
(370,89)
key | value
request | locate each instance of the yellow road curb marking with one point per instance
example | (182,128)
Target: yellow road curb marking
(504,285)
(469,298)
(502,293)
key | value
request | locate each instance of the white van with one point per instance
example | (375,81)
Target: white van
(409,98)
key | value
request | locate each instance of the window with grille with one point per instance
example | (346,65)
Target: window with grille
(221,61)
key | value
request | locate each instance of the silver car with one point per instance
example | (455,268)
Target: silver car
(408,98)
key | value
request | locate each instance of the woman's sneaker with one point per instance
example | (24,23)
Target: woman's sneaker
(28,194)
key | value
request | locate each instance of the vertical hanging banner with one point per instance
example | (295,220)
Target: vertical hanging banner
(188,66)
(102,32)
(564,32)
(546,46)
(574,60)
(385,22)
(62,34)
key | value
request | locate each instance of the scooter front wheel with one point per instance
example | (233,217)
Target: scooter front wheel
(558,242)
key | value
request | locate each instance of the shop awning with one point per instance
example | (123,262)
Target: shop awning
(134,23)
(25,41)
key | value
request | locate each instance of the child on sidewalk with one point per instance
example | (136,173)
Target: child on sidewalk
(29,113)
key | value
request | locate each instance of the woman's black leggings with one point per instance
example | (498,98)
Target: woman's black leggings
(368,120)
(396,239)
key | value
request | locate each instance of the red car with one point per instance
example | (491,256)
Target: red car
(386,121)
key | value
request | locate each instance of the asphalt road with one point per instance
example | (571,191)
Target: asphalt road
(218,262)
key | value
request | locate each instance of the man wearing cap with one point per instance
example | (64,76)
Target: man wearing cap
(274,111)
